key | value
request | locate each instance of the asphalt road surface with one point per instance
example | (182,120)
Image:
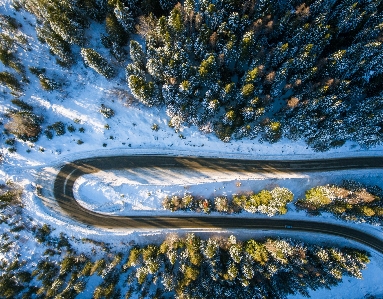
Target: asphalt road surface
(63,193)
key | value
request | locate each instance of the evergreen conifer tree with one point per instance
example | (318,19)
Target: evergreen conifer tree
(95,61)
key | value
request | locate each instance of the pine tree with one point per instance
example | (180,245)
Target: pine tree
(11,39)
(176,20)
(65,19)
(366,122)
(167,5)
(348,15)
(208,70)
(137,55)
(95,9)
(125,16)
(146,92)
(9,80)
(115,31)
(56,43)
(97,62)
(116,38)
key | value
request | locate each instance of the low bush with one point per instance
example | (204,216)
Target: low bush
(12,150)
(10,81)
(58,127)
(48,133)
(9,194)
(37,71)
(71,128)
(25,125)
(22,105)
(43,233)
(48,84)
(10,141)
(106,112)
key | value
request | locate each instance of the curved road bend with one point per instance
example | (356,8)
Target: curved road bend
(65,179)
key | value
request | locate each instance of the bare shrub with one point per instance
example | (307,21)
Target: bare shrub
(122,95)
(24,125)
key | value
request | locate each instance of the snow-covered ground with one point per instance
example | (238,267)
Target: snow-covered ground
(132,191)
(78,102)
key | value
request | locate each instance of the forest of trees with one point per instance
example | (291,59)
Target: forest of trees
(350,201)
(310,70)
(191,267)
(179,267)
(271,203)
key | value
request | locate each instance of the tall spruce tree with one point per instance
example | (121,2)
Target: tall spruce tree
(95,61)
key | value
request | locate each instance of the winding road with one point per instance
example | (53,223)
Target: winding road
(63,193)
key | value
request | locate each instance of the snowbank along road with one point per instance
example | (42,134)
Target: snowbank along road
(67,175)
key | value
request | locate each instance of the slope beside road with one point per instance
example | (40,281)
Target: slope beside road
(63,193)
